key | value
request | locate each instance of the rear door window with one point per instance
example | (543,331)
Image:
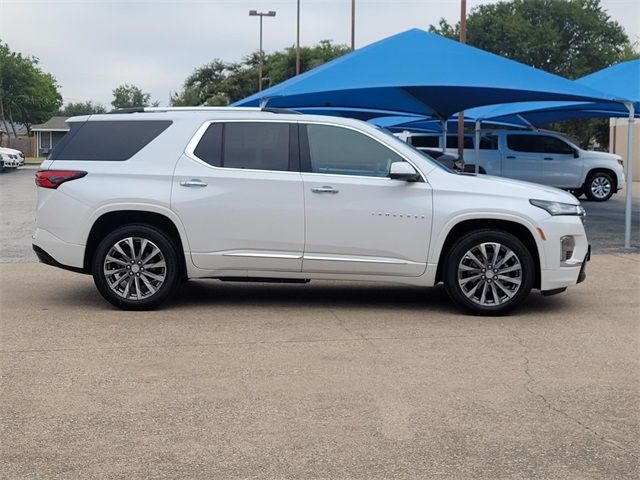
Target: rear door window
(107,141)
(247,145)
(425,141)
(524,143)
(452,142)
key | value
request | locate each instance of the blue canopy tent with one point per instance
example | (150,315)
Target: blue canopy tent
(621,80)
(420,73)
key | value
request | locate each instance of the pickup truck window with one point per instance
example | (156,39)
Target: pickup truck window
(425,141)
(452,142)
(489,142)
(537,144)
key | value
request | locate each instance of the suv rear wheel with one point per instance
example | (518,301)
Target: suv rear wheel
(489,272)
(599,187)
(136,267)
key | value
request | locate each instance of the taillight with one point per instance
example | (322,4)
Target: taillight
(55,178)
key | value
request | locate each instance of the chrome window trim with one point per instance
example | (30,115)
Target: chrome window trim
(193,143)
(349,127)
(195,139)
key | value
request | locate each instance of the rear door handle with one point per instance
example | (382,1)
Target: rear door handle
(325,189)
(511,156)
(548,158)
(194,182)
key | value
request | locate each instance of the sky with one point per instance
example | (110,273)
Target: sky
(92,46)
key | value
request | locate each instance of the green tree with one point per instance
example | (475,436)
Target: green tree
(72,109)
(127,96)
(27,94)
(571,38)
(222,83)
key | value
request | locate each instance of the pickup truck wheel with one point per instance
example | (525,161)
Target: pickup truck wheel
(136,267)
(599,187)
(489,272)
(577,192)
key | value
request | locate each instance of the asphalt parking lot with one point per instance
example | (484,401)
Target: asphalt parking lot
(325,380)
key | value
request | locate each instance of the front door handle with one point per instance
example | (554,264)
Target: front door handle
(325,189)
(194,182)
(511,156)
(548,158)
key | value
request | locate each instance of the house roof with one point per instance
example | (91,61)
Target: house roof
(54,124)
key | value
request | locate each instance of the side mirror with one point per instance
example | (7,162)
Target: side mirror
(403,171)
(576,153)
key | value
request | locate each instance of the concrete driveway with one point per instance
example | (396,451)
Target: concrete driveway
(325,380)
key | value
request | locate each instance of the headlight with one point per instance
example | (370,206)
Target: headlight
(557,208)
(620,162)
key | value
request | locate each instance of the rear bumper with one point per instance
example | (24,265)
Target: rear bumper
(63,254)
(47,259)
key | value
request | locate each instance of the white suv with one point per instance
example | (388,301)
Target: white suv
(145,199)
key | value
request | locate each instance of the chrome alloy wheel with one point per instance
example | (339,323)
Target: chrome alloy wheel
(489,274)
(134,268)
(600,186)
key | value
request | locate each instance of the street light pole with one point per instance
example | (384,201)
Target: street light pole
(255,13)
(298,41)
(353,24)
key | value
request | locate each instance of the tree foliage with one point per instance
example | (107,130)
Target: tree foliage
(27,94)
(127,96)
(221,83)
(72,109)
(571,38)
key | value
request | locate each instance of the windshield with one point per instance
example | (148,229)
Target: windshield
(423,154)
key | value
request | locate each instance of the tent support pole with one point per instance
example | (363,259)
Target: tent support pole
(444,134)
(629,192)
(477,145)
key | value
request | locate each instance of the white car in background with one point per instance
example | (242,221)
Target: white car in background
(10,158)
(146,199)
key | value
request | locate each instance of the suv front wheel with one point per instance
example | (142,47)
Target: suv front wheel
(489,272)
(136,267)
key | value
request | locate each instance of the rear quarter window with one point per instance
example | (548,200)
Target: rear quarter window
(107,141)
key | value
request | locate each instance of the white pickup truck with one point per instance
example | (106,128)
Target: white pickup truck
(535,156)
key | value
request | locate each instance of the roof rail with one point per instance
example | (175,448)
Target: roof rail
(200,109)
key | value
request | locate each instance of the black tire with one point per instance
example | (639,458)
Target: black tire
(599,187)
(459,266)
(577,192)
(149,291)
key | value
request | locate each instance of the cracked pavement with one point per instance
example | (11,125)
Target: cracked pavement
(319,381)
(325,380)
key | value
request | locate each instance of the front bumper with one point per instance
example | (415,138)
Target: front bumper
(558,279)
(583,274)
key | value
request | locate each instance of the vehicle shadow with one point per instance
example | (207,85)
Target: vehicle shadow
(340,294)
(210,294)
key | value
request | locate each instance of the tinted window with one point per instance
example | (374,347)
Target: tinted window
(555,145)
(343,151)
(209,147)
(452,141)
(538,144)
(108,140)
(256,145)
(489,142)
(425,141)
